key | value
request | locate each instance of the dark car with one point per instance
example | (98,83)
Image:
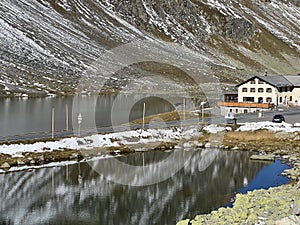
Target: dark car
(278,118)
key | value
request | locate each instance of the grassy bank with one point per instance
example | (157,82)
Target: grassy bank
(260,140)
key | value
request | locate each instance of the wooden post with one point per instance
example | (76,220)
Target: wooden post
(52,123)
(144,108)
(67,117)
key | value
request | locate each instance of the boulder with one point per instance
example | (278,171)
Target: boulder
(41,158)
(265,157)
(5,165)
(187,145)
(207,145)
(20,162)
(293,173)
(183,222)
(296,208)
(73,156)
(199,145)
(291,220)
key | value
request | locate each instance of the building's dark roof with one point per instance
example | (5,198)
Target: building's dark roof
(295,80)
(277,81)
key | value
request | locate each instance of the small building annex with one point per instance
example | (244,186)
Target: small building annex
(263,93)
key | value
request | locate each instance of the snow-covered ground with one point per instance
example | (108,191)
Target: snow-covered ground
(137,137)
(213,129)
(275,127)
(101,140)
(131,138)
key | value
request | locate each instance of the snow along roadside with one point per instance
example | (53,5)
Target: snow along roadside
(137,137)
(101,140)
(21,153)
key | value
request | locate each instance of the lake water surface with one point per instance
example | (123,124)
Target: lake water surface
(19,116)
(77,194)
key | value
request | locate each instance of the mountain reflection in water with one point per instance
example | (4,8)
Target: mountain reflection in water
(78,195)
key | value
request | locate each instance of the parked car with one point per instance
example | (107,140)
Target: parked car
(278,118)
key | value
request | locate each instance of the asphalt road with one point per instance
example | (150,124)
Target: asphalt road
(291,115)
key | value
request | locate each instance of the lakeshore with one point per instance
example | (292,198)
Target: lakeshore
(267,141)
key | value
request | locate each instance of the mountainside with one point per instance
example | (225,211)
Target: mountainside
(47,46)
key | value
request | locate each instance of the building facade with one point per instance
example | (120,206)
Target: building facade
(263,93)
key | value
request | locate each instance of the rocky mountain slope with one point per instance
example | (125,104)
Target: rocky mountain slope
(48,46)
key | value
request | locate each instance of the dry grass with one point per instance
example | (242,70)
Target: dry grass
(260,140)
(261,135)
(168,116)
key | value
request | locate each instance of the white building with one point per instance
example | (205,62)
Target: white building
(264,92)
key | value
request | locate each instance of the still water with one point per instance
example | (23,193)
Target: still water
(34,115)
(77,194)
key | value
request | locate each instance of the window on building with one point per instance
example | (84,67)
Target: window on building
(269,90)
(248,99)
(261,82)
(244,90)
(245,111)
(291,98)
(280,99)
(269,100)
(260,100)
(230,110)
(252,89)
(236,110)
(252,81)
(260,90)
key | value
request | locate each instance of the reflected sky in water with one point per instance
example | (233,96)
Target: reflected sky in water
(78,195)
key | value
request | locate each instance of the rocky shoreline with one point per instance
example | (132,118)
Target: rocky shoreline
(279,206)
(62,155)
